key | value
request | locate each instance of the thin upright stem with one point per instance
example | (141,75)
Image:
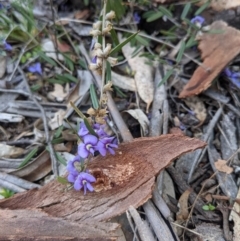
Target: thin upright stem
(103,47)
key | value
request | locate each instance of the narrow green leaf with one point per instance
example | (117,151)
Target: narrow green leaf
(28,157)
(119,47)
(46,58)
(165,11)
(108,72)
(166,77)
(119,92)
(55,81)
(89,127)
(61,159)
(62,180)
(181,52)
(202,8)
(114,37)
(71,78)
(58,140)
(148,14)
(77,110)
(94,97)
(191,42)
(58,132)
(154,16)
(185,11)
(143,41)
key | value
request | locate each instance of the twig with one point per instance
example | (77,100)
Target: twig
(21,92)
(45,123)
(11,186)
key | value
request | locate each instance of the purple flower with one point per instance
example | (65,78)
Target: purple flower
(87,146)
(83,181)
(7,46)
(136,18)
(198,20)
(99,129)
(94,60)
(71,168)
(233,77)
(83,130)
(35,68)
(105,145)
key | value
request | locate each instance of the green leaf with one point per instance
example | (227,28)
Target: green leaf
(62,180)
(202,8)
(82,63)
(165,11)
(89,127)
(205,207)
(94,97)
(108,71)
(191,42)
(114,37)
(166,77)
(55,81)
(58,132)
(77,110)
(57,140)
(119,47)
(46,58)
(211,207)
(181,52)
(154,16)
(186,10)
(61,159)
(71,78)
(6,193)
(119,92)
(28,157)
(143,41)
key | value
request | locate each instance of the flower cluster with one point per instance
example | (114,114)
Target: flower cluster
(234,77)
(79,178)
(100,142)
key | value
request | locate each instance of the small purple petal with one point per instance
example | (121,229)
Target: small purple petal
(136,17)
(71,177)
(7,46)
(111,151)
(90,139)
(82,151)
(89,187)
(198,19)
(88,177)
(78,185)
(94,60)
(83,130)
(227,72)
(101,148)
(35,68)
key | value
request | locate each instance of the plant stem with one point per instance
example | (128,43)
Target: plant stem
(103,47)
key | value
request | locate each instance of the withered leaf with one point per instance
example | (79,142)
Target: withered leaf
(218,46)
(122,180)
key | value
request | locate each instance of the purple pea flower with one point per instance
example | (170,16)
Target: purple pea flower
(7,46)
(83,130)
(99,129)
(87,146)
(94,60)
(73,173)
(105,145)
(83,181)
(35,68)
(136,18)
(198,20)
(233,77)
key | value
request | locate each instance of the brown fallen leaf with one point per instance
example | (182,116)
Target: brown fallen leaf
(183,206)
(216,54)
(36,225)
(122,180)
(221,165)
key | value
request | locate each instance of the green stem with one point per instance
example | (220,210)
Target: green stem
(103,47)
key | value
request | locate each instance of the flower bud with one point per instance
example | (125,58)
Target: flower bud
(97,46)
(107,50)
(99,53)
(97,25)
(111,15)
(112,61)
(95,33)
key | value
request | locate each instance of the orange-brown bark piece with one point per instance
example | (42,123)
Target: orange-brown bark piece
(124,179)
(218,46)
(35,225)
